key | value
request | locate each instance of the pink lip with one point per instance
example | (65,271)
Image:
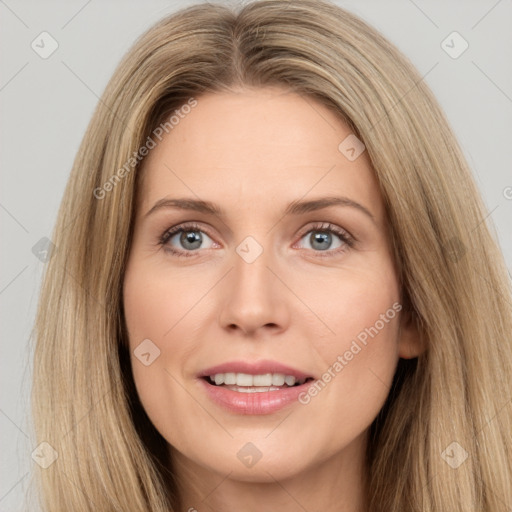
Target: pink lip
(253,403)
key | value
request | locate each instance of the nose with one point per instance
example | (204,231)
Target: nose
(254,300)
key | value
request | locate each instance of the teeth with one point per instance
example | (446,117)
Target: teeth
(254,390)
(259,380)
(229,378)
(289,380)
(242,379)
(266,381)
(278,379)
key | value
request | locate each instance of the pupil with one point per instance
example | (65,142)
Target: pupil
(323,239)
(191,237)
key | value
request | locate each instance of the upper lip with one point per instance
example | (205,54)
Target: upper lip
(254,368)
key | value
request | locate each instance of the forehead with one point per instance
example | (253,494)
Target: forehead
(257,148)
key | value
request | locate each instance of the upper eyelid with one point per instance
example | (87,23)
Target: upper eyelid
(185,226)
(323,225)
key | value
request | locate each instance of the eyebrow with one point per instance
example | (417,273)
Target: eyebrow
(294,208)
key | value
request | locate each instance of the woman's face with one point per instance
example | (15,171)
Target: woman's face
(291,278)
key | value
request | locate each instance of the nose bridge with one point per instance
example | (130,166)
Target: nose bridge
(253,299)
(251,274)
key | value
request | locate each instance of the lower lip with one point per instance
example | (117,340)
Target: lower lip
(265,402)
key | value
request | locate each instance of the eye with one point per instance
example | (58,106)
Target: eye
(185,240)
(326,237)
(188,237)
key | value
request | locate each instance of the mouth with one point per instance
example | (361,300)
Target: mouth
(254,388)
(262,383)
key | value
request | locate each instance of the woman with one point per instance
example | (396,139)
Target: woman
(273,285)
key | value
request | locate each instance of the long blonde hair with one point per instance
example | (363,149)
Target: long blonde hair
(451,271)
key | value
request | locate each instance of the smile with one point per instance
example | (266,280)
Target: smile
(254,391)
(247,383)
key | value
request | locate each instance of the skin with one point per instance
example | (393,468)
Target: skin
(252,152)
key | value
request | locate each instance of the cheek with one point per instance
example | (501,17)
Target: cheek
(360,357)
(354,306)
(156,307)
(169,309)
(155,303)
(153,306)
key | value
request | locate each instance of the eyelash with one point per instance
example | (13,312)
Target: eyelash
(167,235)
(325,227)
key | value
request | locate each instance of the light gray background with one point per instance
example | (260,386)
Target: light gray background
(47,104)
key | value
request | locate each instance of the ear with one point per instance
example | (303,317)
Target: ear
(410,340)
